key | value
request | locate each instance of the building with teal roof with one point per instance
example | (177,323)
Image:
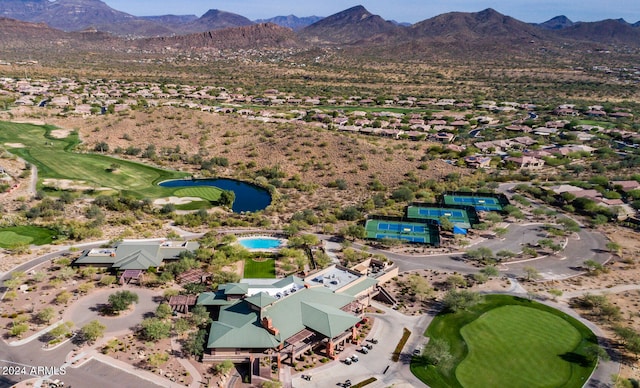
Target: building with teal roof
(315,315)
(135,255)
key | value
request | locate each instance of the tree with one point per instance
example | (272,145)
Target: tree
(194,344)
(482,254)
(420,287)
(63,297)
(121,300)
(92,331)
(86,287)
(614,247)
(227,197)
(101,147)
(61,330)
(200,316)
(438,353)
(445,223)
(455,281)
(555,293)
(46,315)
(107,280)
(157,359)
(490,271)
(154,329)
(182,325)
(355,231)
(593,266)
(455,300)
(164,311)
(18,329)
(403,194)
(224,367)
(531,273)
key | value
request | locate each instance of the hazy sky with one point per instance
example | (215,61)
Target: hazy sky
(411,11)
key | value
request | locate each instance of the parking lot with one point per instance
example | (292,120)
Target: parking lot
(376,362)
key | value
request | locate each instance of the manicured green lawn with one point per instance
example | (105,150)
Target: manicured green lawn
(259,269)
(56,159)
(11,236)
(510,341)
(209,193)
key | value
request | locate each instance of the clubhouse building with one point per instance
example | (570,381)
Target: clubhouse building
(283,318)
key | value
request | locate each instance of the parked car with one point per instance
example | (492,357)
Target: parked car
(373,340)
(347,361)
(364,350)
(368,346)
(306,377)
(355,358)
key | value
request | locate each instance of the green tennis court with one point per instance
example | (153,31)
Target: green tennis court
(415,232)
(463,216)
(481,202)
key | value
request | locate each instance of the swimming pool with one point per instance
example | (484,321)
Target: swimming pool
(261,243)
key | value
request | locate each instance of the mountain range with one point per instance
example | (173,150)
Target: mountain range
(79,23)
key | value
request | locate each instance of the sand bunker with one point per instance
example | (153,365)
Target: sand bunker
(68,184)
(176,200)
(60,133)
(34,122)
(14,145)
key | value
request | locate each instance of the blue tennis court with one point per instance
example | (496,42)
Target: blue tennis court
(480,203)
(415,239)
(441,213)
(475,201)
(401,228)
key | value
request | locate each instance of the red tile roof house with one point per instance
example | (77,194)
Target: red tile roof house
(444,137)
(527,162)
(626,185)
(478,161)
(518,128)
(621,115)
(596,113)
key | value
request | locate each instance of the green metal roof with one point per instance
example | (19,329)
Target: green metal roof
(235,288)
(287,315)
(261,299)
(239,327)
(138,254)
(326,320)
(140,259)
(357,287)
(213,299)
(287,281)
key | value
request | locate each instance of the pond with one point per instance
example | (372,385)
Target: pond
(249,197)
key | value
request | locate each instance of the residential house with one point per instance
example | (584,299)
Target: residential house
(527,162)
(626,186)
(478,161)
